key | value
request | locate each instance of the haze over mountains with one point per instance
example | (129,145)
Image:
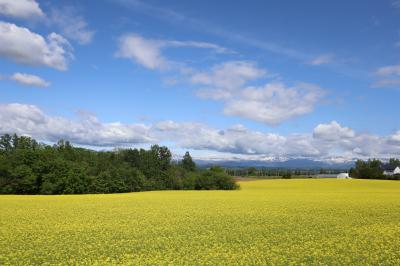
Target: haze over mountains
(289,164)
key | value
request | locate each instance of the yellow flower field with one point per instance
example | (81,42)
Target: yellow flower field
(281,222)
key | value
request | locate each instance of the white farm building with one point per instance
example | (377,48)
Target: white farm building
(391,170)
(343,176)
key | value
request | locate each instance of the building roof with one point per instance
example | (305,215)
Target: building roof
(389,167)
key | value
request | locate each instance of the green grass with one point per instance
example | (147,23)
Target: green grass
(282,222)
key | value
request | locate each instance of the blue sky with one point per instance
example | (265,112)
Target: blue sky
(258,80)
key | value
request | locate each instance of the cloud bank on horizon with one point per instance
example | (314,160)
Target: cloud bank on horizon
(206,88)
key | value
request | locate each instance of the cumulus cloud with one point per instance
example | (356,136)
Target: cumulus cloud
(72,25)
(29,80)
(24,9)
(273,102)
(395,138)
(87,130)
(322,59)
(234,142)
(333,131)
(25,47)
(228,82)
(148,52)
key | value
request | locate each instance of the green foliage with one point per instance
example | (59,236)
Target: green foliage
(187,162)
(287,175)
(372,169)
(394,162)
(27,167)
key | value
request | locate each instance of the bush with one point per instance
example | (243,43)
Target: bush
(287,175)
(394,177)
(215,179)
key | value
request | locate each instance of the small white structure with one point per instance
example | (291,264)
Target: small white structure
(391,170)
(343,176)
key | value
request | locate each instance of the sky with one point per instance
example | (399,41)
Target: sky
(241,80)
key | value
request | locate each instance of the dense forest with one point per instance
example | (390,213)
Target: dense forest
(30,167)
(373,169)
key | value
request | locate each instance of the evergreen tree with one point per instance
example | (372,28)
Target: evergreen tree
(188,163)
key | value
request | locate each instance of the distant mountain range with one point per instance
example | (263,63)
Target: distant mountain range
(290,164)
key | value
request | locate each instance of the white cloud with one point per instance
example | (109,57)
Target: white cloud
(148,52)
(24,9)
(234,142)
(333,131)
(229,75)
(390,77)
(396,3)
(29,80)
(274,102)
(72,25)
(386,83)
(201,45)
(388,70)
(395,138)
(270,104)
(143,51)
(87,130)
(25,47)
(322,59)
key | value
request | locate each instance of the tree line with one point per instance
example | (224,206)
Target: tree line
(278,172)
(30,167)
(373,169)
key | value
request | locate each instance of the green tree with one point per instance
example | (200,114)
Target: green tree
(188,163)
(371,169)
(394,162)
(29,167)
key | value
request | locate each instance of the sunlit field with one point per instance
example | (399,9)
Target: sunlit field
(266,222)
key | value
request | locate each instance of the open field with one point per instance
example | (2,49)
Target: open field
(266,222)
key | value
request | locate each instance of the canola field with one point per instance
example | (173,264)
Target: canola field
(269,222)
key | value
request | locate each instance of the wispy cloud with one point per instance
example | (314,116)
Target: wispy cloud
(29,80)
(174,17)
(389,77)
(396,4)
(229,75)
(66,19)
(322,60)
(143,51)
(201,45)
(388,70)
(149,52)
(71,24)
